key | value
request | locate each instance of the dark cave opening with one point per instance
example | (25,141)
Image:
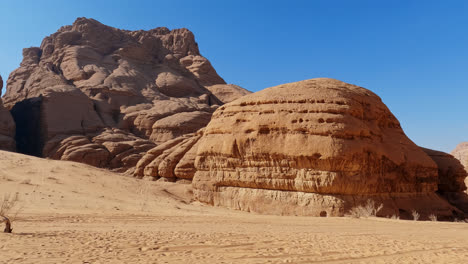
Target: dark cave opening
(29,136)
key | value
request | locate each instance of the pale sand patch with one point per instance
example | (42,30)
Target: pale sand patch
(74,213)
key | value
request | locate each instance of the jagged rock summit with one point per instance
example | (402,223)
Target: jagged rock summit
(104,96)
(7,127)
(315,147)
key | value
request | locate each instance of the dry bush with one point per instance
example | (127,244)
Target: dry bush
(395,217)
(415,215)
(433,217)
(367,210)
(7,216)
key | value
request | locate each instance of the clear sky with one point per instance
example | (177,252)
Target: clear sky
(413,54)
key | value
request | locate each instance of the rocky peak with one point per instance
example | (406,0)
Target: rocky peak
(88,83)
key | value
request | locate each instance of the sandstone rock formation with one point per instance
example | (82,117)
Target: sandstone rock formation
(461,153)
(7,127)
(91,92)
(315,147)
(227,93)
(452,178)
(451,172)
(173,160)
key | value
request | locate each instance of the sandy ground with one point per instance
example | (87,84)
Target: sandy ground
(73,213)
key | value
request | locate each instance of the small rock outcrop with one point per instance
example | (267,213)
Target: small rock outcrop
(451,172)
(461,153)
(228,93)
(171,161)
(7,127)
(315,147)
(90,90)
(452,177)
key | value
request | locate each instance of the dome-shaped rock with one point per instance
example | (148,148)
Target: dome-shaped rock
(311,147)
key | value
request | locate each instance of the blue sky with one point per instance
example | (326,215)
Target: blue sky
(413,54)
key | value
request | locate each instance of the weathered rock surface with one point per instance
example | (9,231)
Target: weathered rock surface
(461,153)
(173,160)
(179,124)
(452,178)
(7,127)
(452,174)
(228,92)
(112,148)
(314,147)
(91,92)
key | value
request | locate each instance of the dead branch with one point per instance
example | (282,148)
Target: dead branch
(7,222)
(7,204)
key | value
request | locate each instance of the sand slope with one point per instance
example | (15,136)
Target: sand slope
(74,213)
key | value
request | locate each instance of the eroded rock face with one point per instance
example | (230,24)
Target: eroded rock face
(7,127)
(461,153)
(452,178)
(89,87)
(171,161)
(452,174)
(228,92)
(313,147)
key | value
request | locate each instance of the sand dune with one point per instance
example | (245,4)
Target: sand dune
(74,213)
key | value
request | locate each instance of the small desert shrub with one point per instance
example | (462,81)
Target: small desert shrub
(395,217)
(367,210)
(415,215)
(433,217)
(6,211)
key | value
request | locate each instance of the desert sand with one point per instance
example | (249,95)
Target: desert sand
(75,213)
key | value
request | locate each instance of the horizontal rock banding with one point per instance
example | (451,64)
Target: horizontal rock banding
(318,136)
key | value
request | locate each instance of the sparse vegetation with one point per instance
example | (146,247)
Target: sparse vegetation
(415,215)
(433,217)
(395,217)
(8,204)
(367,210)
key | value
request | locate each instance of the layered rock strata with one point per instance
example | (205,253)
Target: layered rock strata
(7,127)
(90,87)
(315,147)
(171,161)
